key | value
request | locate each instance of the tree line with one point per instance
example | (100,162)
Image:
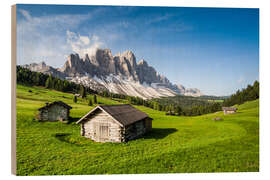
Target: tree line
(31,78)
(187,106)
(190,106)
(183,101)
(177,105)
(251,92)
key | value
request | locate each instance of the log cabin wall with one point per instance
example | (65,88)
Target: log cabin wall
(101,127)
(229,112)
(54,113)
(134,130)
(148,124)
(43,115)
(114,123)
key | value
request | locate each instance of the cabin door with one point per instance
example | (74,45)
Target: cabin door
(102,131)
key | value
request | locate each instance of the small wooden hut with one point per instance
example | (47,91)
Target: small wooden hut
(55,111)
(229,110)
(114,123)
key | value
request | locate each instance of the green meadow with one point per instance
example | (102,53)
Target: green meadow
(177,144)
(216,100)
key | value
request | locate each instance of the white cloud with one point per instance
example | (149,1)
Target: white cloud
(83,44)
(158,18)
(241,80)
(52,21)
(26,14)
(85,39)
(43,38)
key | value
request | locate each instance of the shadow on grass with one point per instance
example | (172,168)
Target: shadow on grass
(72,119)
(62,136)
(159,133)
(68,138)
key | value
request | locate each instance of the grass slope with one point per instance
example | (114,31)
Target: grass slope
(175,145)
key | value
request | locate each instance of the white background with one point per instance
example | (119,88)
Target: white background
(5,86)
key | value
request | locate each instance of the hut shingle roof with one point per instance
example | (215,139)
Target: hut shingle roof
(125,114)
(53,103)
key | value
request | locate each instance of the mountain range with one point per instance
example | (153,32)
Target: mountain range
(120,74)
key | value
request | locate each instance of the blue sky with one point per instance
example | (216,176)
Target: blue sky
(213,49)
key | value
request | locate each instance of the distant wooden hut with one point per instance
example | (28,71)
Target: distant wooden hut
(114,123)
(55,111)
(229,110)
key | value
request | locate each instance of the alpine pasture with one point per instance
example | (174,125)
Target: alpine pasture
(177,144)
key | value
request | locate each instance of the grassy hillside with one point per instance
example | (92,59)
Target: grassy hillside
(176,144)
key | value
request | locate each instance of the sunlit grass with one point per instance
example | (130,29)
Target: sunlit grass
(176,144)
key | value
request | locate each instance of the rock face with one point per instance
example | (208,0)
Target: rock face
(118,74)
(43,68)
(180,89)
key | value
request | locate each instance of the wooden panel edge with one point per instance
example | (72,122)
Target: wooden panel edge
(13,88)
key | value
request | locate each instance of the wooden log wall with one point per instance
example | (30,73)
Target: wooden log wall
(54,113)
(101,127)
(148,124)
(134,130)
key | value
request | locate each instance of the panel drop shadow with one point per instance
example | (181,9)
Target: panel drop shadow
(159,133)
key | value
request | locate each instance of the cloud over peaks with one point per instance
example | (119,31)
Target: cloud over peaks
(43,37)
(83,44)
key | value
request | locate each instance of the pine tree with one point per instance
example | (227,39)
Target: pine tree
(157,107)
(178,110)
(82,91)
(90,103)
(75,99)
(49,82)
(167,108)
(65,86)
(59,85)
(95,99)
(36,79)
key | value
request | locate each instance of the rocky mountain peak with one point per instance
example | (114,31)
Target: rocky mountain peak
(119,74)
(180,86)
(143,62)
(86,57)
(42,64)
(130,57)
(73,60)
(192,92)
(103,53)
(104,61)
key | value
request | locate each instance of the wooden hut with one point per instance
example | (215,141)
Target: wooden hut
(55,111)
(114,123)
(229,110)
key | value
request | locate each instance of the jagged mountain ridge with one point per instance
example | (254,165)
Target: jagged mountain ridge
(118,74)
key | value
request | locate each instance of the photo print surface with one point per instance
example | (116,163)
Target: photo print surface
(136,90)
